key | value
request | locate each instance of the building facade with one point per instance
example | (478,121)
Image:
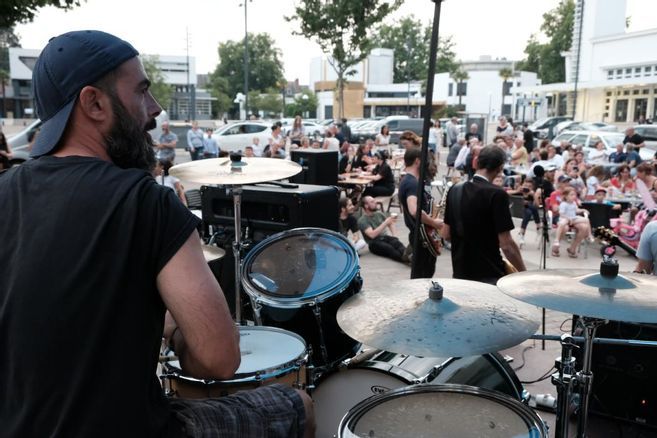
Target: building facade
(613,71)
(178,71)
(485,91)
(370,92)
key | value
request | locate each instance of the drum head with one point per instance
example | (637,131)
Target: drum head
(266,352)
(442,411)
(300,265)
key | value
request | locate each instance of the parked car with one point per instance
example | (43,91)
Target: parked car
(588,139)
(649,133)
(236,136)
(311,129)
(397,127)
(569,125)
(20,142)
(544,128)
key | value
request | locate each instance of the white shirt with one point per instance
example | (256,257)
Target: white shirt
(598,156)
(460,158)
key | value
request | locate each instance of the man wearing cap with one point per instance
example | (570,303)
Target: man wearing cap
(478,222)
(99,252)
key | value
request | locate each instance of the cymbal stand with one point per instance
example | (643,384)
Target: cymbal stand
(236,191)
(563,379)
(585,377)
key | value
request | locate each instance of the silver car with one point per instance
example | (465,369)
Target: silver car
(588,139)
(236,136)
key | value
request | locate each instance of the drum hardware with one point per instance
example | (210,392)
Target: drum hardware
(322,342)
(241,171)
(359,358)
(466,318)
(600,296)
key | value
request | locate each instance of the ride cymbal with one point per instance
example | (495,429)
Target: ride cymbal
(471,318)
(627,297)
(228,171)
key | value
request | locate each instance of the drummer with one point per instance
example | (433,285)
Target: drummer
(101,253)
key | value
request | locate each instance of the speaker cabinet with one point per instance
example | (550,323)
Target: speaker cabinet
(269,209)
(319,166)
(624,377)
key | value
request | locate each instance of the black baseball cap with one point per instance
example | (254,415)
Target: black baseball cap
(67,64)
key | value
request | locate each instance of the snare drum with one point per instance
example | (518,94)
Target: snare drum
(269,355)
(442,411)
(339,391)
(297,280)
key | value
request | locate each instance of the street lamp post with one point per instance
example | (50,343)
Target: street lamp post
(246,60)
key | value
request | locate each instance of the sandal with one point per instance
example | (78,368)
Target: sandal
(555,250)
(571,253)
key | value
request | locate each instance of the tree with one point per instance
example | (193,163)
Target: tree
(265,66)
(218,87)
(160,90)
(459,75)
(4,80)
(410,41)
(342,28)
(19,11)
(505,74)
(271,103)
(545,59)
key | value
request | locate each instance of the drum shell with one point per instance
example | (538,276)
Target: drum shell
(430,420)
(311,314)
(338,391)
(269,355)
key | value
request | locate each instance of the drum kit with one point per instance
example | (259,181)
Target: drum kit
(417,359)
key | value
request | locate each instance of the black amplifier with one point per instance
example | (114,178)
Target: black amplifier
(624,377)
(319,166)
(271,208)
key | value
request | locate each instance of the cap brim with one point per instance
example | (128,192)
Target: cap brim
(51,131)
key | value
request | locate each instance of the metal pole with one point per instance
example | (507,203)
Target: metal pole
(246,64)
(579,45)
(189,85)
(425,138)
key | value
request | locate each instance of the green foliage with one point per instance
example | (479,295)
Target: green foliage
(161,91)
(20,11)
(411,42)
(271,103)
(8,38)
(218,87)
(342,28)
(265,67)
(545,59)
(447,111)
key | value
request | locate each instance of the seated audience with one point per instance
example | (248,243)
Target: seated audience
(348,222)
(379,232)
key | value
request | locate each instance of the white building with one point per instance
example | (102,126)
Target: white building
(19,97)
(616,74)
(370,92)
(485,91)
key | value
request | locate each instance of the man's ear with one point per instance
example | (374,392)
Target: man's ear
(95,103)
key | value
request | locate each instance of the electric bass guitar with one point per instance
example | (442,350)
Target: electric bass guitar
(607,235)
(431,238)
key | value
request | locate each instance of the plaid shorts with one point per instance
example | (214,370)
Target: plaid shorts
(269,411)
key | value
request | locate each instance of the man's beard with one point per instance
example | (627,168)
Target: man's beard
(128,144)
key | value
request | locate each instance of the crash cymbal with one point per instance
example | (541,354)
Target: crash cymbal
(224,171)
(470,319)
(212,252)
(626,297)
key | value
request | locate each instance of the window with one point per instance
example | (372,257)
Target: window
(579,139)
(506,88)
(626,92)
(620,114)
(647,70)
(328,111)
(628,72)
(635,92)
(608,94)
(462,89)
(610,74)
(637,72)
(252,129)
(450,89)
(640,108)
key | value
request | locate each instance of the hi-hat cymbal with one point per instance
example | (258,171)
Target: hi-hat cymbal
(223,171)
(472,318)
(626,297)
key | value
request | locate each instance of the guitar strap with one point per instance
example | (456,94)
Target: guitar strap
(460,231)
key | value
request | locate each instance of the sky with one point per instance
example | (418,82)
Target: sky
(478,27)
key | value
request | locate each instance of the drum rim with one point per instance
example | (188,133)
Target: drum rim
(354,414)
(318,297)
(283,369)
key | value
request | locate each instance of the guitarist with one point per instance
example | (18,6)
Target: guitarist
(425,265)
(478,222)
(647,252)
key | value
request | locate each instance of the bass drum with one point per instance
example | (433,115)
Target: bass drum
(297,280)
(339,391)
(439,411)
